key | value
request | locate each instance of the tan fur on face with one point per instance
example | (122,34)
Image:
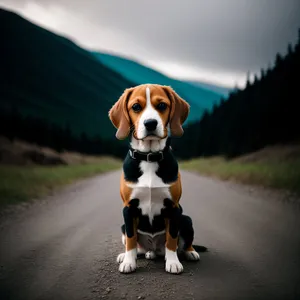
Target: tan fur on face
(123,116)
(157,95)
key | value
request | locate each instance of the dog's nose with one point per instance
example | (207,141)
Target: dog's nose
(150,124)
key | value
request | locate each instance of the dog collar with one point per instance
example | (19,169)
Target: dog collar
(147,156)
(150,156)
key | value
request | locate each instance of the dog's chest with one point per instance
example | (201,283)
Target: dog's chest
(150,190)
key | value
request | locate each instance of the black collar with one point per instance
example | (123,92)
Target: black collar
(150,156)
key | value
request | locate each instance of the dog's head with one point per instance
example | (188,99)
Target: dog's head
(148,110)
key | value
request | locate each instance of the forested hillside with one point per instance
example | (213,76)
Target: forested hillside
(47,76)
(57,94)
(265,112)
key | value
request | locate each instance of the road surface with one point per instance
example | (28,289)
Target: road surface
(65,246)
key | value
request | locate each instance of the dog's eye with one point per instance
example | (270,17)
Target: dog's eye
(136,107)
(161,106)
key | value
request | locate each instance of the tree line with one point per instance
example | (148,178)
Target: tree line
(38,131)
(265,112)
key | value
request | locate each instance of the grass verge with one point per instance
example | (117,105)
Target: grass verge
(273,174)
(23,183)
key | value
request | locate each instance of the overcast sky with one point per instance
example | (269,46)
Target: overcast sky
(215,41)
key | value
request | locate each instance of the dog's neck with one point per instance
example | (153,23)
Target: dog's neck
(148,145)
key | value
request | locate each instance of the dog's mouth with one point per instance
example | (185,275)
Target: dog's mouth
(151,136)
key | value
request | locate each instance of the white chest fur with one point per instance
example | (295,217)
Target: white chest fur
(150,190)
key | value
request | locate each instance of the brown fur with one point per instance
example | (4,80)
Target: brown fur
(176,190)
(123,117)
(171,243)
(190,248)
(131,243)
(179,111)
(125,190)
(118,115)
(139,96)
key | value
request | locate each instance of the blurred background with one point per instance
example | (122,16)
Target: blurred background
(65,63)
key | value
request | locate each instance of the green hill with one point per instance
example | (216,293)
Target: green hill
(48,76)
(199,98)
(52,90)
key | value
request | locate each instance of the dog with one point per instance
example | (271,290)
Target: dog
(150,186)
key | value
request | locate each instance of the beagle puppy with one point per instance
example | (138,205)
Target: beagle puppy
(150,184)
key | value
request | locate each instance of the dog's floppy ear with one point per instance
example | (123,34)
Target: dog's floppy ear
(119,116)
(179,111)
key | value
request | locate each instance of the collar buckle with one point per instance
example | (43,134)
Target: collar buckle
(154,154)
(132,152)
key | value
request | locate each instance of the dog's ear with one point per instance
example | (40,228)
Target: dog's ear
(179,111)
(119,116)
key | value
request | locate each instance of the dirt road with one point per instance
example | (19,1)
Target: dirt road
(65,246)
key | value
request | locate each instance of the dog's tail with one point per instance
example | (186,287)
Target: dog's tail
(199,248)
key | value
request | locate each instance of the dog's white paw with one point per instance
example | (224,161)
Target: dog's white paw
(127,266)
(150,255)
(174,267)
(120,257)
(192,255)
(173,264)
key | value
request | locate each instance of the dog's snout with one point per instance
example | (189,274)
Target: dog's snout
(150,124)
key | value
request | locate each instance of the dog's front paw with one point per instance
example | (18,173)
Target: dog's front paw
(127,266)
(150,255)
(192,255)
(120,257)
(174,266)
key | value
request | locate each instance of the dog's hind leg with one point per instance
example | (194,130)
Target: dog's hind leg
(187,235)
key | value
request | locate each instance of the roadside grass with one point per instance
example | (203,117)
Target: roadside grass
(23,183)
(278,174)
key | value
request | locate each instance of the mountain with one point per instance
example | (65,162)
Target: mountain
(199,98)
(224,91)
(46,75)
(53,91)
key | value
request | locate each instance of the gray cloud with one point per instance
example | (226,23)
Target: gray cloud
(218,35)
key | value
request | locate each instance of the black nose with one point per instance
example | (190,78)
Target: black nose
(150,124)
